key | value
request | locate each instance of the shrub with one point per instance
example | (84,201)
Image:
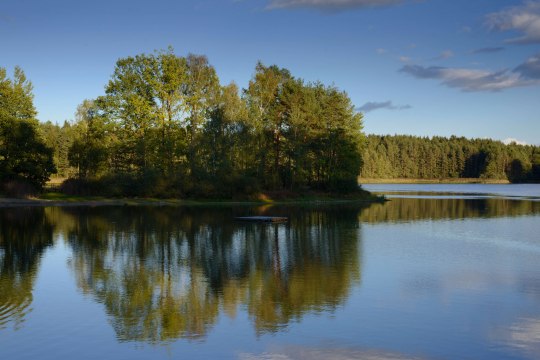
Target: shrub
(19,189)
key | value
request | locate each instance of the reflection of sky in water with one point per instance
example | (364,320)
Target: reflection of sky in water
(523,335)
(448,285)
(325,353)
(424,283)
(453,191)
(502,233)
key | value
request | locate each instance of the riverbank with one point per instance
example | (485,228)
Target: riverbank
(432,181)
(59,199)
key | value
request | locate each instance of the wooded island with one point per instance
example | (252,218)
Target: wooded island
(167,127)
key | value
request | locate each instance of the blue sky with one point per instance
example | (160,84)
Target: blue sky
(422,67)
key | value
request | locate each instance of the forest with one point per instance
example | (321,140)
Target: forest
(412,157)
(166,127)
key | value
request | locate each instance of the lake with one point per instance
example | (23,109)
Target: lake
(437,272)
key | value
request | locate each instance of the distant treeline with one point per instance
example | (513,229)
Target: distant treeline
(166,127)
(412,157)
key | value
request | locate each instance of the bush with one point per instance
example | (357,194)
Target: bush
(80,187)
(152,184)
(19,189)
(149,184)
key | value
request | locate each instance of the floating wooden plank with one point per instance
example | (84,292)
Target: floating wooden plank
(271,219)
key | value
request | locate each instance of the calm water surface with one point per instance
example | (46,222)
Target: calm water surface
(520,191)
(435,273)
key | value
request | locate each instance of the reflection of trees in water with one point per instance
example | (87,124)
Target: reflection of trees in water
(405,209)
(165,273)
(24,235)
(308,265)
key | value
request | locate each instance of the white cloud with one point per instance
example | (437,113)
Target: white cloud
(334,5)
(381,51)
(509,141)
(468,79)
(524,18)
(526,74)
(388,105)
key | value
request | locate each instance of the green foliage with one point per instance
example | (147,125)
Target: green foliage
(307,135)
(24,156)
(88,151)
(60,138)
(166,127)
(144,107)
(535,167)
(443,158)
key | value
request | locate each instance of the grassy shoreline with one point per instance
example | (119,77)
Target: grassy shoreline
(59,199)
(432,181)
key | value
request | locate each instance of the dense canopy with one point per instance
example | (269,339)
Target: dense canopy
(166,126)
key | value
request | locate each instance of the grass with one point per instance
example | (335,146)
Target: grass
(54,198)
(58,196)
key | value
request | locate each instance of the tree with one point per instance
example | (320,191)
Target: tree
(23,154)
(309,134)
(60,138)
(262,96)
(88,151)
(158,105)
(222,143)
(535,170)
(341,149)
(201,94)
(129,106)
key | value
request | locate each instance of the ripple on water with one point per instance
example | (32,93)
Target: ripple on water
(14,310)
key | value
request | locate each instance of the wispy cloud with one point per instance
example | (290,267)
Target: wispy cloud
(488,50)
(524,18)
(446,54)
(6,18)
(381,51)
(331,5)
(526,74)
(465,79)
(404,59)
(388,105)
(530,68)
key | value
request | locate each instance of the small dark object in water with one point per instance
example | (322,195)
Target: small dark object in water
(262,218)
